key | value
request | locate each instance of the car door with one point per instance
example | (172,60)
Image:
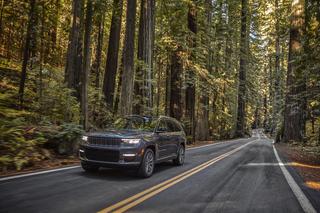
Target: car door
(173,137)
(163,139)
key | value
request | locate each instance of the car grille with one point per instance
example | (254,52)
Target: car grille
(102,155)
(104,141)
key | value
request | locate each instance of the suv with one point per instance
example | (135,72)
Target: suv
(136,141)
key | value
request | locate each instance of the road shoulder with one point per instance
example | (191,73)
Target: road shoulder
(300,171)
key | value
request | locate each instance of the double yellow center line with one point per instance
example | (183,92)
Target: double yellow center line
(130,202)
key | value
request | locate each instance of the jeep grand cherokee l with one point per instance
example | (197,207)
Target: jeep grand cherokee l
(135,141)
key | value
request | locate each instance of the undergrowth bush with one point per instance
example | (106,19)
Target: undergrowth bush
(19,145)
(46,121)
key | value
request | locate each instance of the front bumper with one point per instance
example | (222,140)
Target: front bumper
(111,157)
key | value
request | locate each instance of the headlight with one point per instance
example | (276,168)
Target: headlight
(85,138)
(131,141)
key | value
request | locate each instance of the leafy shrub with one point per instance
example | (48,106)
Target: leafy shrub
(57,104)
(24,133)
(99,114)
(19,146)
(68,138)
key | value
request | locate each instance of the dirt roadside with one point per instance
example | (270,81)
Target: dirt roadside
(306,160)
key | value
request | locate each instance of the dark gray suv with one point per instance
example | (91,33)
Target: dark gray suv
(135,141)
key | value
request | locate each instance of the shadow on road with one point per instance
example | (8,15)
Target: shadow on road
(124,174)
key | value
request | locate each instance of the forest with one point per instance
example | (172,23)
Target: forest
(220,67)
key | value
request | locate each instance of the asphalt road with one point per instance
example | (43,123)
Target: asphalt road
(234,176)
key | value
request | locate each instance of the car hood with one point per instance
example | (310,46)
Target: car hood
(120,134)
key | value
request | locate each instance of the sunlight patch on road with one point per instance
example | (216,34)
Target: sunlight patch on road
(294,164)
(313,185)
(304,165)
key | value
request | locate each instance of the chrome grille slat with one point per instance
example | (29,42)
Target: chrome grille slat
(104,141)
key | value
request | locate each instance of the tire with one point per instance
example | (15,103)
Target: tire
(89,168)
(147,165)
(179,161)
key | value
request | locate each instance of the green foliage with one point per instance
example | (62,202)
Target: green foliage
(100,116)
(19,145)
(67,138)
(57,104)
(42,124)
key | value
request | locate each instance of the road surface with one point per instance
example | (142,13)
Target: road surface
(234,176)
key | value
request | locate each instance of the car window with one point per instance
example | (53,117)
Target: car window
(162,127)
(178,127)
(172,127)
(135,123)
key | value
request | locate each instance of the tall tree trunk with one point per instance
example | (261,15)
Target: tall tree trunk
(54,33)
(75,54)
(139,81)
(97,64)
(86,65)
(294,125)
(143,80)
(168,86)
(1,18)
(241,111)
(202,130)
(190,75)
(127,86)
(175,109)
(27,47)
(110,74)
(118,91)
(41,59)
(277,77)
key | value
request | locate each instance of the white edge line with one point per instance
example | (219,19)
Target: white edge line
(303,200)
(37,173)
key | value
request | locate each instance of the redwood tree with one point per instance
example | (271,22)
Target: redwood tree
(241,110)
(113,52)
(75,54)
(26,51)
(126,97)
(175,110)
(190,73)
(294,117)
(143,86)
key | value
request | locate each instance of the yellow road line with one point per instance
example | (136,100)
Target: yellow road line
(146,194)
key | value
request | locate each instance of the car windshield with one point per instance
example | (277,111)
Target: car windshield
(135,123)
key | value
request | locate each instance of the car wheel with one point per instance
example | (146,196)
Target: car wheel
(147,164)
(89,168)
(180,158)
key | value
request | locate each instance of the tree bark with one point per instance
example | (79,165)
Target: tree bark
(277,93)
(113,53)
(86,66)
(75,54)
(241,110)
(294,118)
(97,64)
(202,130)
(127,86)
(52,51)
(175,110)
(26,52)
(190,75)
(143,80)
(1,18)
